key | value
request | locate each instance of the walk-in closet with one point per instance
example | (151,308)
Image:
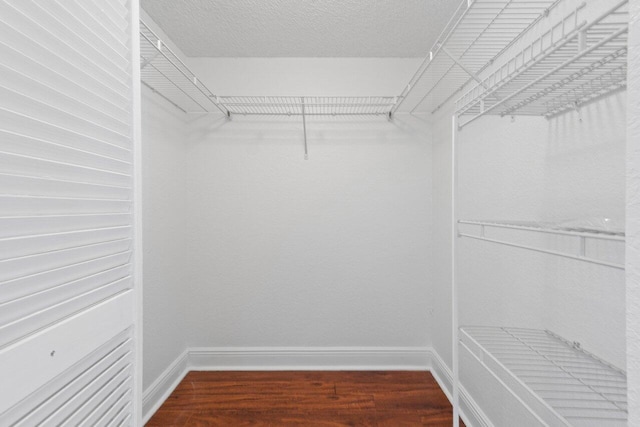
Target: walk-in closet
(320,213)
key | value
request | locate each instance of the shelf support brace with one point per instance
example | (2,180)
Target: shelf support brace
(473,75)
(304,127)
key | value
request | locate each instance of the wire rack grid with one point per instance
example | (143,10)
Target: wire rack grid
(551,76)
(309,105)
(164,73)
(575,387)
(583,235)
(475,36)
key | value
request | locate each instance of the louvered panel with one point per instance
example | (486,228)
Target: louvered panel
(37,69)
(115,12)
(75,31)
(33,88)
(33,264)
(52,314)
(18,103)
(45,31)
(29,127)
(30,146)
(25,205)
(16,184)
(72,37)
(27,245)
(121,417)
(117,383)
(75,276)
(66,212)
(43,167)
(11,35)
(104,27)
(26,227)
(54,397)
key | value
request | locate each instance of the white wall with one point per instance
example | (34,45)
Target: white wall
(333,251)
(164,200)
(633,219)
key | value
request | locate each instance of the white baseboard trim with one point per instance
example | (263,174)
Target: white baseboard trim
(163,386)
(308,358)
(470,412)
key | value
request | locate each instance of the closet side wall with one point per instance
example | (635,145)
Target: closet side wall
(164,200)
(333,251)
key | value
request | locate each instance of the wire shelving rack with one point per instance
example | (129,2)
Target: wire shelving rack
(583,235)
(555,74)
(476,35)
(309,105)
(559,381)
(164,73)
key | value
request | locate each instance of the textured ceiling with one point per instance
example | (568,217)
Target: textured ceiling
(302,28)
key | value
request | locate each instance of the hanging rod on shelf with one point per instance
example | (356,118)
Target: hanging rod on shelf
(555,74)
(582,234)
(477,33)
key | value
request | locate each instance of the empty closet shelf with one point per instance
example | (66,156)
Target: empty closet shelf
(478,32)
(594,241)
(556,380)
(309,105)
(565,67)
(163,72)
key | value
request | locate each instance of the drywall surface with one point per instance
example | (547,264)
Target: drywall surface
(633,218)
(164,199)
(305,76)
(333,251)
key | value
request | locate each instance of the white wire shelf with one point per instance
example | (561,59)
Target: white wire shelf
(559,382)
(309,105)
(583,235)
(557,72)
(476,35)
(164,73)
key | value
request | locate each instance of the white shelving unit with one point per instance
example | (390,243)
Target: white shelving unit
(562,69)
(582,235)
(557,380)
(474,37)
(163,72)
(309,105)
(565,63)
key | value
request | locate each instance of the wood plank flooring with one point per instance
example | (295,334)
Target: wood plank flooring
(305,398)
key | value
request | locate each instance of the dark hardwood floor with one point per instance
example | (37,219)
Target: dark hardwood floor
(373,398)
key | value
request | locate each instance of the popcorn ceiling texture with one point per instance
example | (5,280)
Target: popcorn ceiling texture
(295,28)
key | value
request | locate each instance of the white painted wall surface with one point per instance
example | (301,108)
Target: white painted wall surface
(633,218)
(164,220)
(333,251)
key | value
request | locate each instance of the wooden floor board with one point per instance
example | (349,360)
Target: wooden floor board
(305,398)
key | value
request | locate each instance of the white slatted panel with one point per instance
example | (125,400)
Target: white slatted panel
(66,211)
(93,392)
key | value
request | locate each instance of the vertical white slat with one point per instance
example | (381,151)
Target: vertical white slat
(136,132)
